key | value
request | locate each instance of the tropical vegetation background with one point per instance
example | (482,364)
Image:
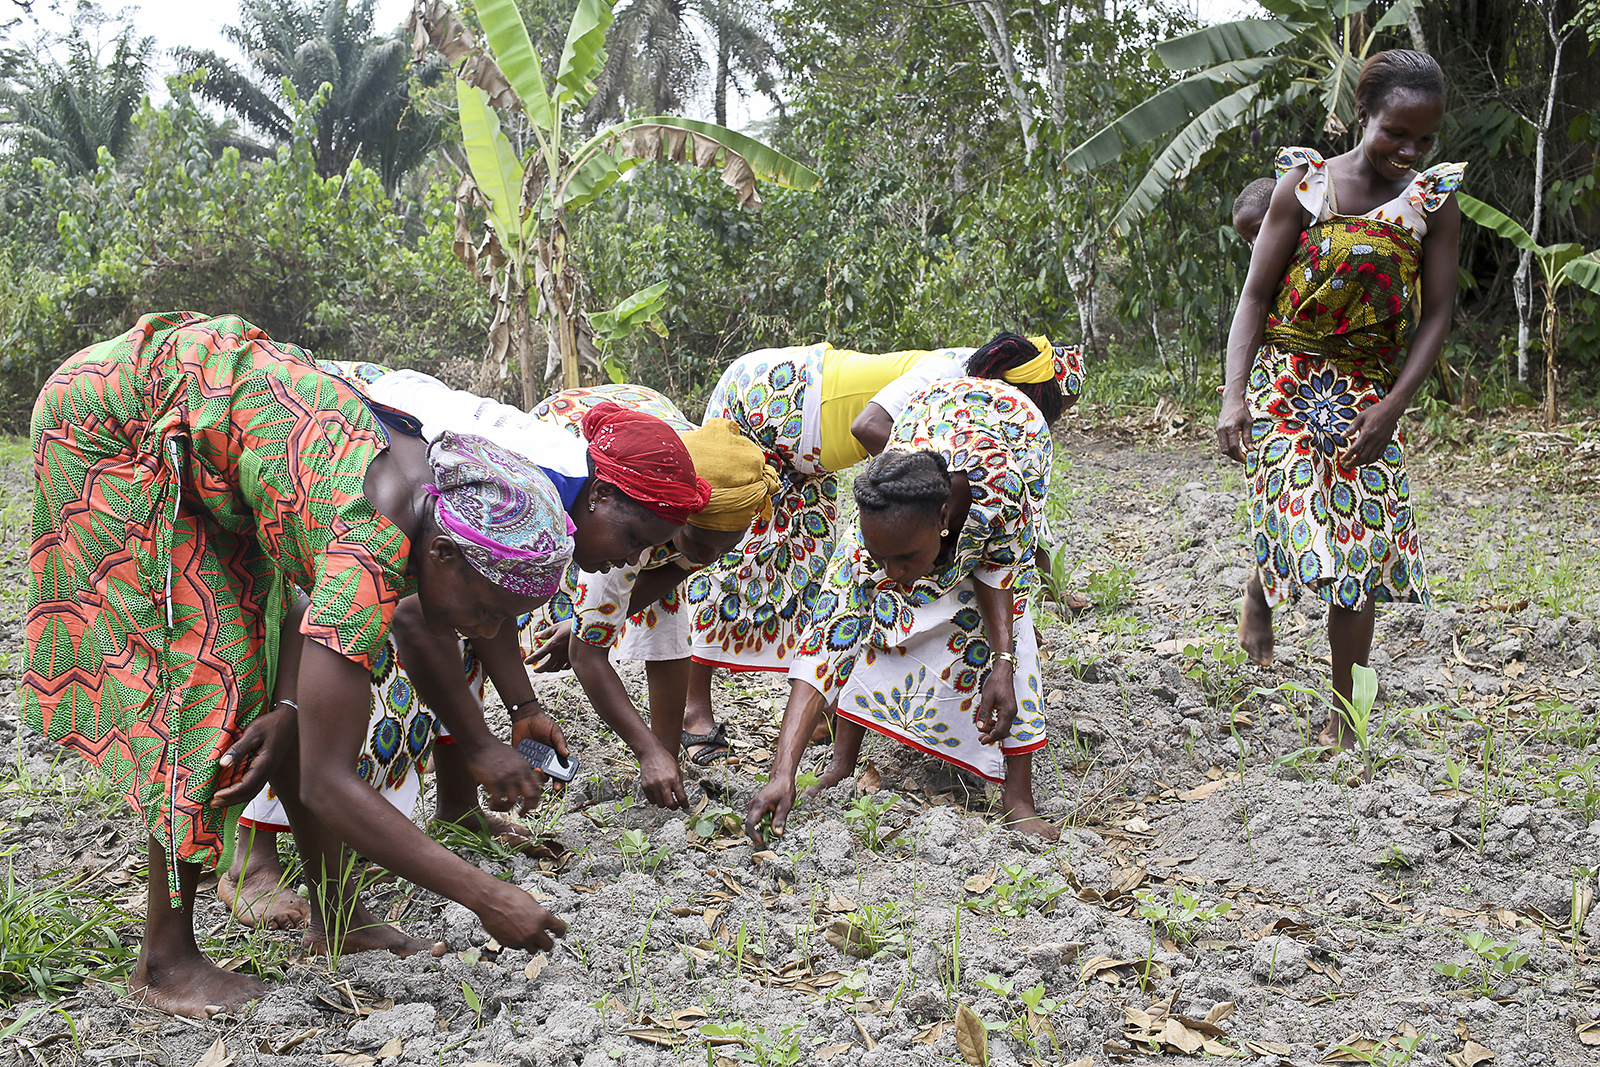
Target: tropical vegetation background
(926,173)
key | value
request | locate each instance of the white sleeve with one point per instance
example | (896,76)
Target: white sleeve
(945,363)
(441,408)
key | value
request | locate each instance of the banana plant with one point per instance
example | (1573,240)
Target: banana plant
(1559,264)
(523,251)
(1310,50)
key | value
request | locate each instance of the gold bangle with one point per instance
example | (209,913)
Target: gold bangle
(1009,657)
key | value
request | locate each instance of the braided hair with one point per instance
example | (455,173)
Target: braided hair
(1009,350)
(1398,69)
(916,480)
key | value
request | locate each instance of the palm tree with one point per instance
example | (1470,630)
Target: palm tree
(68,111)
(369,113)
(658,57)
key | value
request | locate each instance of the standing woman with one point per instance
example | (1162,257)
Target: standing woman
(817,410)
(1327,349)
(187,474)
(922,630)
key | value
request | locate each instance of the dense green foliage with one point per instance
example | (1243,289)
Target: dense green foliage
(943,212)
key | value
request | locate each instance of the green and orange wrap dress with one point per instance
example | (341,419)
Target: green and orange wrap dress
(1339,330)
(187,474)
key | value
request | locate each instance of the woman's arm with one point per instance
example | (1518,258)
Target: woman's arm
(334,696)
(1280,233)
(434,665)
(997,705)
(777,796)
(1373,427)
(872,427)
(245,767)
(658,769)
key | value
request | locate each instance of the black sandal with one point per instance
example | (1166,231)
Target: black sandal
(713,746)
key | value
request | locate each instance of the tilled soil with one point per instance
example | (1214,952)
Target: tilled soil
(1217,891)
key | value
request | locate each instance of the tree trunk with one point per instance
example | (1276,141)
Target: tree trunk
(722,78)
(1521,291)
(522,334)
(1541,145)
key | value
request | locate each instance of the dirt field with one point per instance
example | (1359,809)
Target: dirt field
(1218,891)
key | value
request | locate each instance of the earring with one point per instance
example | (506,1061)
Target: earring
(591,505)
(945,532)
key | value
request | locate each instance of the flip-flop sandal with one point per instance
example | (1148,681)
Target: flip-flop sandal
(712,745)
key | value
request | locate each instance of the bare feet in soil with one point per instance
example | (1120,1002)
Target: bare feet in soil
(1255,623)
(366,933)
(262,899)
(195,988)
(1024,817)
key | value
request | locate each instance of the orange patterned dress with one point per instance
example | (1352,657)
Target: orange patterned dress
(187,473)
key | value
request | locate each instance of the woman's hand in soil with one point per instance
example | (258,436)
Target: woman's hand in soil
(997,704)
(661,780)
(1371,431)
(1233,428)
(243,769)
(505,776)
(516,920)
(773,802)
(550,648)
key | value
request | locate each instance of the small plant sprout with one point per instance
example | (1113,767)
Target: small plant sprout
(1495,960)
(866,817)
(1184,915)
(635,849)
(1020,892)
(1369,725)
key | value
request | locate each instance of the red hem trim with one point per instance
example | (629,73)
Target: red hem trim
(1036,746)
(735,666)
(264,827)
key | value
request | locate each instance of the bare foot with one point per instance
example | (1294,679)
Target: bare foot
(832,775)
(262,899)
(364,933)
(1338,734)
(1255,623)
(1032,824)
(195,988)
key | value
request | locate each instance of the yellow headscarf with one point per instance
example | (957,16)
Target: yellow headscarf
(1041,368)
(742,483)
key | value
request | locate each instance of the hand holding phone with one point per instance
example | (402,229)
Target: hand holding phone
(548,760)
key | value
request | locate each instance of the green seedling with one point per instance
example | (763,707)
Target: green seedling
(635,848)
(1019,893)
(995,984)
(1215,668)
(1495,960)
(756,1044)
(865,818)
(1184,915)
(474,1005)
(715,819)
(1369,725)
(1111,590)
(55,935)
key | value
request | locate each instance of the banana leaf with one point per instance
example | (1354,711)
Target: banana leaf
(492,161)
(586,37)
(508,39)
(1226,42)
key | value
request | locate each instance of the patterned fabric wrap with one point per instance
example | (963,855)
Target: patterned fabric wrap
(1350,292)
(1340,328)
(1064,363)
(401,733)
(503,513)
(1349,535)
(597,606)
(742,481)
(645,458)
(911,663)
(750,607)
(187,471)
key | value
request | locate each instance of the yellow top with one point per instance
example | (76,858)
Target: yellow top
(849,382)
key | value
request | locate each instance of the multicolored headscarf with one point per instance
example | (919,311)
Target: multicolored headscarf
(646,459)
(503,512)
(742,482)
(1064,363)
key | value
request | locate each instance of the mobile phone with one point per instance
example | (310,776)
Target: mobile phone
(548,760)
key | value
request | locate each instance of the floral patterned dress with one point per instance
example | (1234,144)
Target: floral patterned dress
(751,607)
(188,473)
(910,664)
(1340,328)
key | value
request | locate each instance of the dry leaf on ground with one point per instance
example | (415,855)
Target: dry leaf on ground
(1472,1054)
(971,1037)
(215,1056)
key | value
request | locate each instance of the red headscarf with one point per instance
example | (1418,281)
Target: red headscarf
(646,459)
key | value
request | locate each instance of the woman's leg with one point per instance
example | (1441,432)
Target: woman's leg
(171,973)
(697,714)
(1016,798)
(1350,641)
(253,888)
(1255,622)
